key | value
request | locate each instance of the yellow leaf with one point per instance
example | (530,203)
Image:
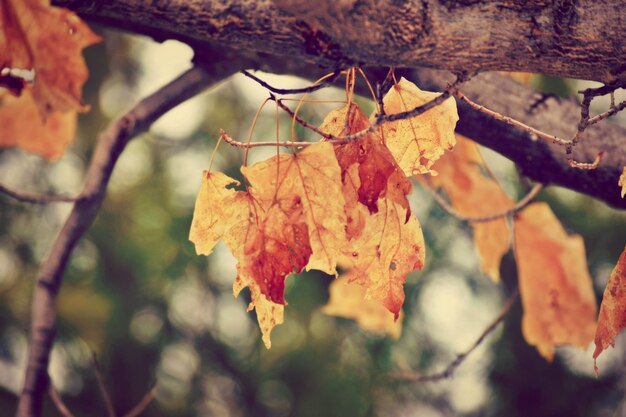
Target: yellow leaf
(348,300)
(418,142)
(555,286)
(218,208)
(474,194)
(612,317)
(314,176)
(21,126)
(622,182)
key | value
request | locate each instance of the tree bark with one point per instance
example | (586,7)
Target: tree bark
(567,38)
(564,38)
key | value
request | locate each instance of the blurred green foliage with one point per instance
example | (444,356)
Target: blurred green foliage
(137,295)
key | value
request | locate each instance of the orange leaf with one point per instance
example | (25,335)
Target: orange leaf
(474,194)
(49,40)
(613,308)
(46,41)
(555,286)
(379,174)
(314,176)
(385,240)
(21,126)
(348,300)
(416,143)
(224,213)
(622,182)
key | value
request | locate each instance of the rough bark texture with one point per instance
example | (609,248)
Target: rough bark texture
(568,38)
(565,38)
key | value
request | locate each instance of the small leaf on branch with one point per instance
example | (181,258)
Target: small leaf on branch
(555,285)
(612,317)
(472,193)
(622,182)
(348,300)
(416,143)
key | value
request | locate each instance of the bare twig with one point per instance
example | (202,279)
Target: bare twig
(111,143)
(461,357)
(303,90)
(58,401)
(380,118)
(35,198)
(527,199)
(143,403)
(106,397)
(586,165)
(239,144)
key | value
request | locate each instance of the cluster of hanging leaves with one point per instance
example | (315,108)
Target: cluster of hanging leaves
(42,73)
(345,204)
(331,207)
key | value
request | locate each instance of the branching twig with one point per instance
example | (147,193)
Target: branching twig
(461,357)
(58,401)
(110,144)
(304,90)
(527,199)
(34,198)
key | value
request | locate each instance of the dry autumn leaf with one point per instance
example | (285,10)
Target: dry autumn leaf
(473,194)
(385,240)
(555,286)
(48,41)
(612,317)
(622,182)
(21,126)
(348,300)
(416,143)
(221,212)
(314,176)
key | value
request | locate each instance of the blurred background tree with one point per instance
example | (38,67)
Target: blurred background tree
(136,293)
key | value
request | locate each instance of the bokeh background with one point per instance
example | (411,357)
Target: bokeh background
(136,293)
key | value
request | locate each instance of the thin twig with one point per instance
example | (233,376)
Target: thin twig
(536,132)
(303,90)
(380,118)
(461,357)
(102,386)
(586,165)
(527,199)
(111,143)
(58,401)
(35,198)
(298,145)
(143,403)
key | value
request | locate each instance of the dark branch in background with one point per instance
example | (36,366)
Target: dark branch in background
(35,198)
(110,145)
(58,401)
(461,357)
(106,397)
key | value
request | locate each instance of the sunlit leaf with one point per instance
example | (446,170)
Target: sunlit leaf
(555,285)
(416,143)
(612,317)
(622,182)
(348,300)
(474,194)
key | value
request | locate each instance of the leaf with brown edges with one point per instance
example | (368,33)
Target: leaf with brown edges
(555,285)
(416,143)
(612,317)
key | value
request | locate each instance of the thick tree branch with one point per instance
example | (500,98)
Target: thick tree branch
(578,39)
(110,145)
